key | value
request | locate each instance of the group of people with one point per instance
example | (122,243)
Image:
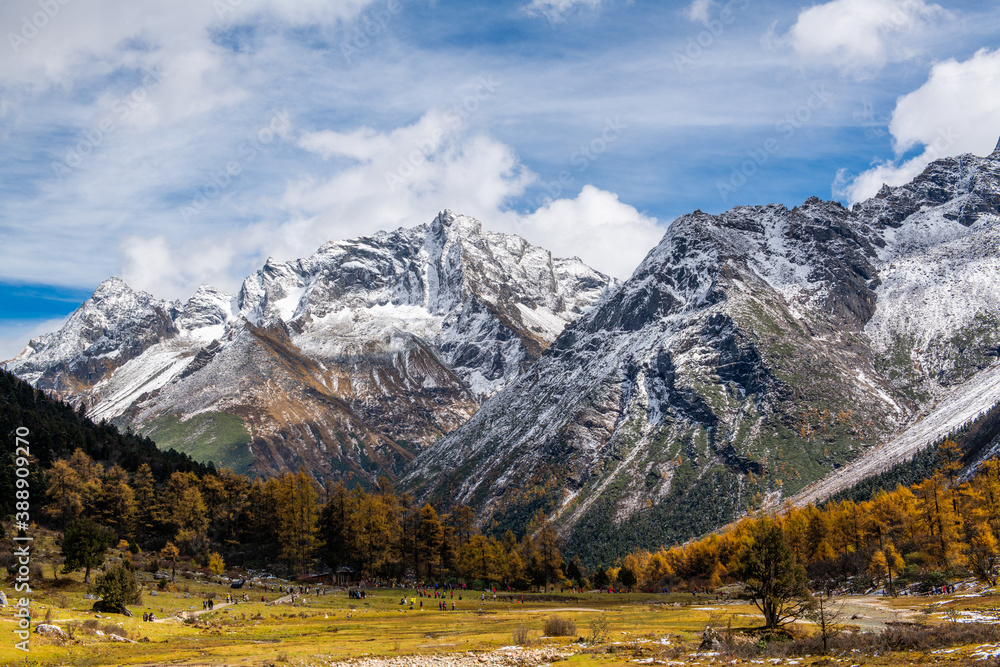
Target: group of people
(442,603)
(148,618)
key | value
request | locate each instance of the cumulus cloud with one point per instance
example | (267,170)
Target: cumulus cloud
(596,227)
(398,178)
(861,36)
(557,10)
(956,111)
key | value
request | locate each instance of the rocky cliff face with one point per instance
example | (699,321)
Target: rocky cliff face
(348,362)
(750,354)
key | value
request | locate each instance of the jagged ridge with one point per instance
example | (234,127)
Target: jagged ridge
(346,362)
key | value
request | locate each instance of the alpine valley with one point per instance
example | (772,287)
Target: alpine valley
(757,355)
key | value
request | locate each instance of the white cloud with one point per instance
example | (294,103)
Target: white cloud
(698,11)
(861,36)
(956,111)
(558,10)
(397,178)
(596,227)
(72,43)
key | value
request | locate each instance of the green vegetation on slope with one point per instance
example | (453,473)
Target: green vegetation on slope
(210,437)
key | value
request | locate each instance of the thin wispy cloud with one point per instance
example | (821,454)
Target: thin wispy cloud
(557,10)
(699,11)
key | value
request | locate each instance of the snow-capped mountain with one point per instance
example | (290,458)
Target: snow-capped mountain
(349,361)
(750,354)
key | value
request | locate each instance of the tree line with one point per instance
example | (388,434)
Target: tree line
(119,489)
(225,517)
(924,535)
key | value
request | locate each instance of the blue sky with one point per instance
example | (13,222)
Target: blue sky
(184,142)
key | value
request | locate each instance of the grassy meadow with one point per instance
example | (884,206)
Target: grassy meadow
(603,629)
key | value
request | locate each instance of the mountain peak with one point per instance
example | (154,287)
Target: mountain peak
(113,285)
(447,219)
(996,152)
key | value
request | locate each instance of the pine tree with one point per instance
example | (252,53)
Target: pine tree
(984,554)
(65,497)
(148,517)
(115,505)
(186,510)
(429,536)
(771,577)
(297,519)
(479,558)
(171,553)
(548,557)
(84,544)
(335,526)
(118,587)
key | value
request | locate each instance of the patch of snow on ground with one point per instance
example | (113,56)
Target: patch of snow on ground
(987,651)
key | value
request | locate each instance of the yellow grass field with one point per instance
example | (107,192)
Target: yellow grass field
(635,628)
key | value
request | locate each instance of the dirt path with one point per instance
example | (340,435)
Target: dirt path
(183,615)
(552,611)
(870,612)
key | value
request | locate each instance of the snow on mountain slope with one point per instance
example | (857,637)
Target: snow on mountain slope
(115,325)
(749,355)
(490,302)
(348,361)
(967,402)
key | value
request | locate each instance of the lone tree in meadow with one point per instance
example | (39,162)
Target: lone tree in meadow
(118,587)
(771,577)
(83,545)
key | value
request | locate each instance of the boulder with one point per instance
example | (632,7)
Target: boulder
(3,599)
(50,630)
(710,640)
(103,607)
